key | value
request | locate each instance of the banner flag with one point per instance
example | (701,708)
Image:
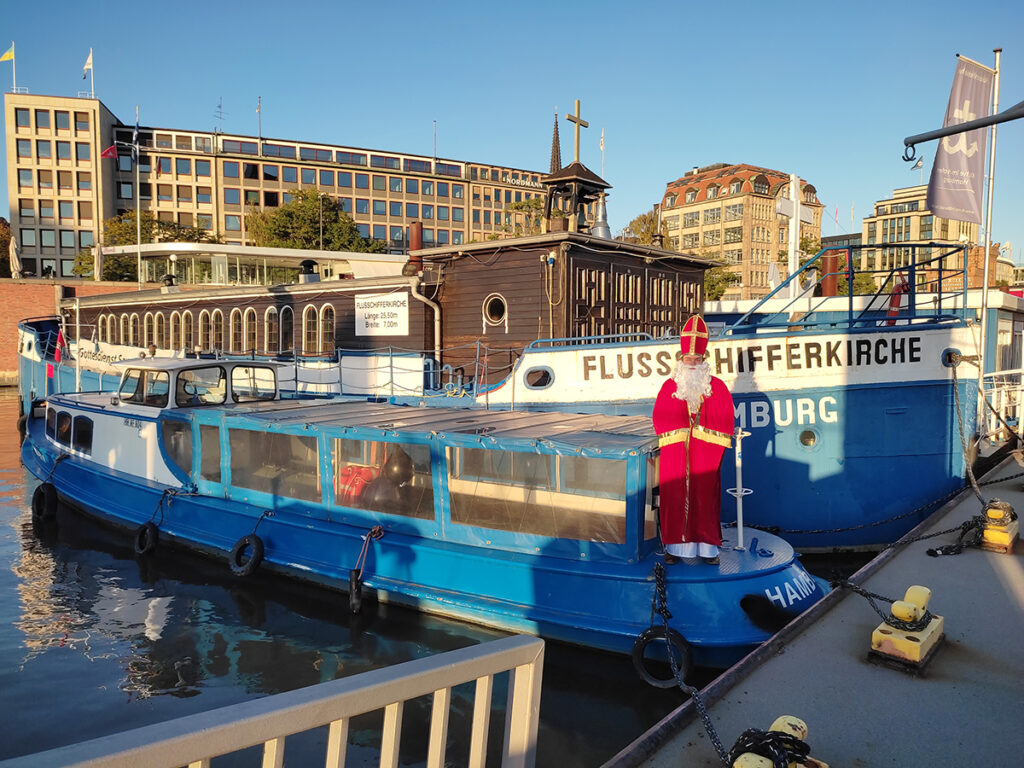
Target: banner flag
(110,151)
(8,54)
(88,64)
(958,173)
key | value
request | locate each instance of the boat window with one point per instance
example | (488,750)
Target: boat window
(252,382)
(51,423)
(177,439)
(81,434)
(209,452)
(275,463)
(651,501)
(64,428)
(566,497)
(145,387)
(383,477)
(201,386)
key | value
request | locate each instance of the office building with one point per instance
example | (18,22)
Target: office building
(728,213)
(61,188)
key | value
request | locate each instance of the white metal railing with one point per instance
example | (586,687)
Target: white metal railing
(1005,393)
(196,739)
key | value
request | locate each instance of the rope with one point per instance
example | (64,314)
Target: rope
(265,513)
(53,468)
(892,621)
(963,437)
(374,533)
(661,601)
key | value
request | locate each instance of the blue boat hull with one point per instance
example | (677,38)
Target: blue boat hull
(601,605)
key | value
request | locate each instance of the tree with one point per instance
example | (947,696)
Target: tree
(299,223)
(5,244)
(717,281)
(533,212)
(645,226)
(123,230)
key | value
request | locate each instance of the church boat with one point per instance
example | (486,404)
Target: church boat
(542,522)
(850,402)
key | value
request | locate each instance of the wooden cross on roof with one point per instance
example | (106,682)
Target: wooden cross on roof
(580,123)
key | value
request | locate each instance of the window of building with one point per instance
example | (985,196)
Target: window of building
(362,205)
(326,178)
(26,208)
(202,167)
(712,215)
(204,195)
(442,189)
(362,181)
(457,214)
(345,203)
(124,163)
(447,169)
(85,215)
(125,190)
(25,178)
(734,212)
(457,238)
(395,208)
(427,187)
(63,150)
(761,186)
(230,169)
(308,176)
(252,197)
(233,223)
(25,148)
(289,174)
(412,186)
(442,212)
(384,161)
(442,237)
(378,232)
(691,195)
(270,199)
(412,210)
(162,165)
(47,238)
(232,196)
(184,193)
(82,151)
(380,183)
(712,237)
(344,178)
(397,234)
(241,147)
(183,166)
(734,234)
(379,208)
(427,211)
(66,208)
(28,238)
(204,221)
(62,120)
(67,240)
(22,118)
(350,158)
(46,210)
(363,229)
(428,237)
(163,191)
(145,190)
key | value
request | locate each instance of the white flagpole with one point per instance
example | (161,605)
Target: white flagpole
(92,77)
(985,244)
(14,68)
(138,203)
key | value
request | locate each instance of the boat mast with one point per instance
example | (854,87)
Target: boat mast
(986,242)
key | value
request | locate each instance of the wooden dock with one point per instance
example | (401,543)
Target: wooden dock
(963,710)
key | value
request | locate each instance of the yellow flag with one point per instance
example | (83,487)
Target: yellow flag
(9,54)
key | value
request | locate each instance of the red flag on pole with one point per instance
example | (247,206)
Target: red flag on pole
(62,344)
(110,151)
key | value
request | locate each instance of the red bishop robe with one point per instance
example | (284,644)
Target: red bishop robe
(701,442)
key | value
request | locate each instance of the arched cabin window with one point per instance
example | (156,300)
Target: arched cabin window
(271,331)
(249,325)
(327,329)
(287,330)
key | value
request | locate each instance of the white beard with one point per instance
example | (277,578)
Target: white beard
(692,383)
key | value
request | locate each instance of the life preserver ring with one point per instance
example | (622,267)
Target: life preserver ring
(44,503)
(679,645)
(242,565)
(146,538)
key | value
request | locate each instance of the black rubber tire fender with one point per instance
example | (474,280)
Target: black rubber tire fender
(146,538)
(679,644)
(22,428)
(242,565)
(44,503)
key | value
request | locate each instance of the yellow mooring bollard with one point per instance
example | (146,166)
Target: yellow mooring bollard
(791,726)
(908,649)
(1001,527)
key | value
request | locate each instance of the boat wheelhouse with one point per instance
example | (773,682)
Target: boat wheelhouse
(539,522)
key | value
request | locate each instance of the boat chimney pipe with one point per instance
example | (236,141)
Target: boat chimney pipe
(415,262)
(829,274)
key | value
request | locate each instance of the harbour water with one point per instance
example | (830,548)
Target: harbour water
(95,641)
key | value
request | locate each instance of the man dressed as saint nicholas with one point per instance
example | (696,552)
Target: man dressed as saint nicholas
(694,419)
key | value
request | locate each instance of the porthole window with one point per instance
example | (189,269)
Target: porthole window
(808,438)
(495,311)
(540,377)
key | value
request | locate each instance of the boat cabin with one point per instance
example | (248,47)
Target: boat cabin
(176,383)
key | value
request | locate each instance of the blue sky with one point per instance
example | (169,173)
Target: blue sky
(825,90)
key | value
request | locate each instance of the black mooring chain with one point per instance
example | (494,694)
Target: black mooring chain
(661,598)
(892,621)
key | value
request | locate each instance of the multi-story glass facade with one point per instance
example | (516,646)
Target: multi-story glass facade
(61,189)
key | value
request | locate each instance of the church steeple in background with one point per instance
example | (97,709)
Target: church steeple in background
(556,148)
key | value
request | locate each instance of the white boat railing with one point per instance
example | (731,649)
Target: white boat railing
(1004,391)
(196,739)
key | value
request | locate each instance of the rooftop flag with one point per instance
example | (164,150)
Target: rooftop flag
(110,151)
(955,184)
(135,137)
(88,64)
(8,54)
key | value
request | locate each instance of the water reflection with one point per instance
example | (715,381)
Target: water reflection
(94,641)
